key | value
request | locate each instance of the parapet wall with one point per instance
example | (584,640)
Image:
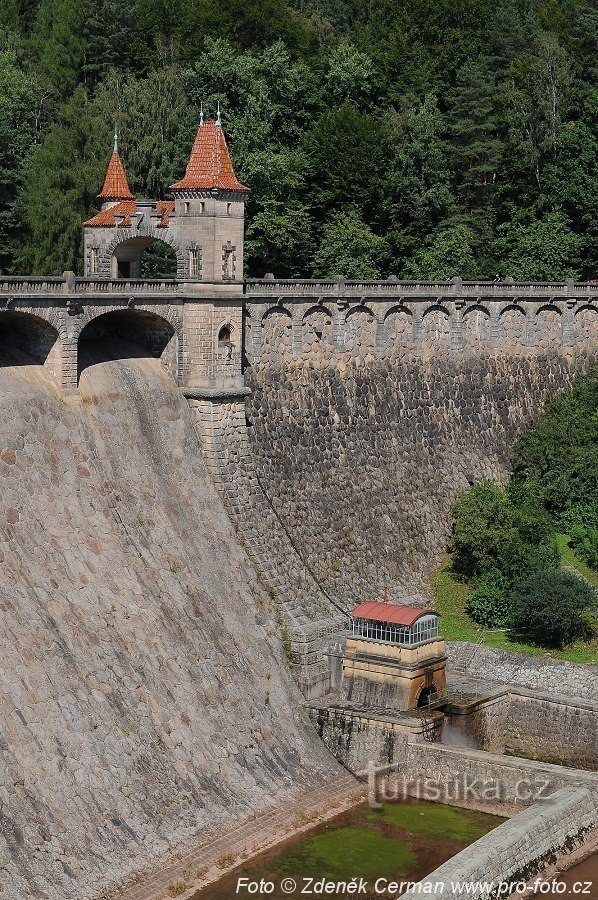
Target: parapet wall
(535,672)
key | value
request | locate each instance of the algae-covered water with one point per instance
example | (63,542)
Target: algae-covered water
(400,842)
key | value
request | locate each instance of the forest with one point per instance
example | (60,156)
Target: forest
(379,137)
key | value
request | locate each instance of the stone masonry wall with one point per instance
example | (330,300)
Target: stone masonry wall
(519,848)
(145,695)
(308,616)
(363,454)
(536,672)
(543,727)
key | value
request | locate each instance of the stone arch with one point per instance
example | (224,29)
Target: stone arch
(360,331)
(477,329)
(398,330)
(129,248)
(547,329)
(436,330)
(277,332)
(226,340)
(28,339)
(584,331)
(317,330)
(125,332)
(512,329)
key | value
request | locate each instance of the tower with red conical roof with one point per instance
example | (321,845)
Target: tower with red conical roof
(209,207)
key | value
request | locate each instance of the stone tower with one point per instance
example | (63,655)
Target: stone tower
(203,223)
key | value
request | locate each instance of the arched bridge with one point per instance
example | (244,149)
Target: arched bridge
(204,331)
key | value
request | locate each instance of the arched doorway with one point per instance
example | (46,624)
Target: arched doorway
(28,340)
(128,334)
(143,257)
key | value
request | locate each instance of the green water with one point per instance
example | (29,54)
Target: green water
(402,842)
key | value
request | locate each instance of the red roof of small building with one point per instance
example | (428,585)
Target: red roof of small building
(107,217)
(390,612)
(116,186)
(210,164)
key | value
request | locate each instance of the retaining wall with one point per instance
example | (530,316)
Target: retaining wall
(519,848)
(536,672)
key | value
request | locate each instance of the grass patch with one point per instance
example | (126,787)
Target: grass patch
(438,820)
(332,854)
(572,562)
(451,598)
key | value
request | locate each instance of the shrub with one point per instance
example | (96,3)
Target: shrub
(585,543)
(491,532)
(552,607)
(487,604)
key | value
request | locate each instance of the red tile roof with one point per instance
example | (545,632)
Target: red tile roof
(164,208)
(210,164)
(390,612)
(107,217)
(116,186)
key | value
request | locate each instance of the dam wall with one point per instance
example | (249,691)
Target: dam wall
(369,413)
(145,693)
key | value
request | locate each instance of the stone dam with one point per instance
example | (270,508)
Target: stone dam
(197,480)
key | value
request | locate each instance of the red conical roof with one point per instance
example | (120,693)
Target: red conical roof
(210,164)
(116,186)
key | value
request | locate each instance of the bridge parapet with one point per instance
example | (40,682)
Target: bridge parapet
(258,289)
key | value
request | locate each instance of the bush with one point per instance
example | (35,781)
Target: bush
(585,543)
(553,608)
(487,604)
(491,532)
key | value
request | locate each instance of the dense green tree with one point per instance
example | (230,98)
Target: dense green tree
(474,141)
(19,104)
(491,533)
(449,253)
(347,248)
(555,463)
(419,196)
(58,41)
(350,75)
(347,154)
(107,36)
(569,183)
(543,249)
(549,607)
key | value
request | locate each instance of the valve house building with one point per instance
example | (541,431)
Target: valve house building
(394,656)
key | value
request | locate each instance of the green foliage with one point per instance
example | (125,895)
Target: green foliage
(555,464)
(493,533)
(584,542)
(505,542)
(539,250)
(552,607)
(464,133)
(348,249)
(450,253)
(19,98)
(488,603)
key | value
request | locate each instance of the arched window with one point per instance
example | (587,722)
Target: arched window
(225,335)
